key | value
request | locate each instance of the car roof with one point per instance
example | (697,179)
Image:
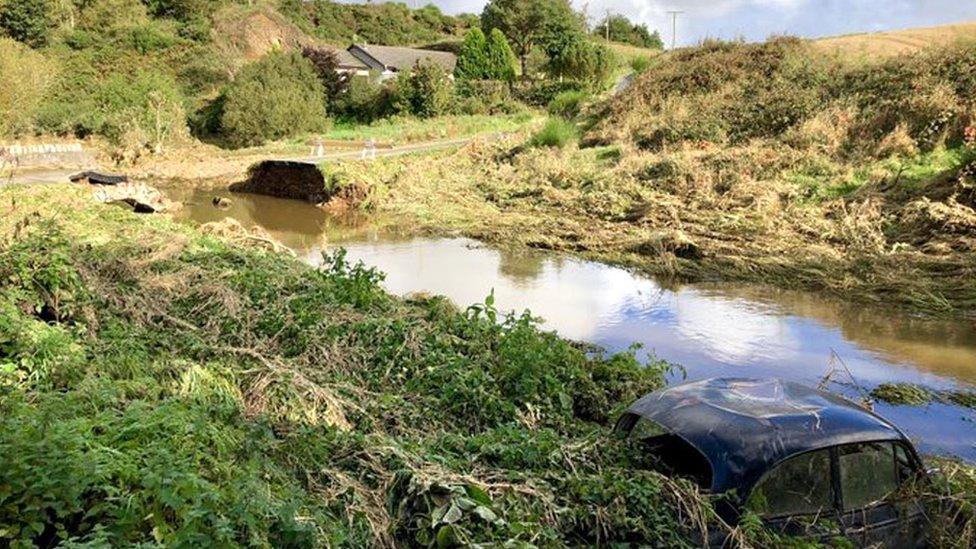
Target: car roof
(744,427)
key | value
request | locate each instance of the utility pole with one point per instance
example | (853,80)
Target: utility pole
(607,21)
(674,27)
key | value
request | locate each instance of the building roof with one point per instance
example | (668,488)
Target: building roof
(401,59)
(744,427)
(349,61)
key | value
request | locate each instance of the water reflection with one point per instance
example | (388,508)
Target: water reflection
(710,330)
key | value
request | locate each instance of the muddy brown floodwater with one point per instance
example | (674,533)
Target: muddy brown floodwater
(711,330)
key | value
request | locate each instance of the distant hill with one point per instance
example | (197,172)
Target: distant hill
(887,44)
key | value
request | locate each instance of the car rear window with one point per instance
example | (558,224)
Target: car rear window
(799,486)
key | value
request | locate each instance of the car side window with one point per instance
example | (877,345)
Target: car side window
(869,473)
(799,486)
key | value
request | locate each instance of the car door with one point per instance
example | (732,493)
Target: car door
(881,506)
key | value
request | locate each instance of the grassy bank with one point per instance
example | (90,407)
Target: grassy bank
(851,179)
(158,385)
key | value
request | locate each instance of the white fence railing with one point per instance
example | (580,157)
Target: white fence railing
(53,148)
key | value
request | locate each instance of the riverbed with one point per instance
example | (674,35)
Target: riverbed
(708,329)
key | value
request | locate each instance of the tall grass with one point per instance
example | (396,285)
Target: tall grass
(557,133)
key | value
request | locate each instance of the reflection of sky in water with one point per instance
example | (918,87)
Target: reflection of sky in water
(710,335)
(718,331)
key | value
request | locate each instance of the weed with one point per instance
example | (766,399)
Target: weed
(567,104)
(556,133)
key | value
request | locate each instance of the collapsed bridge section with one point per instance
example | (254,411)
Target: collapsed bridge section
(285,179)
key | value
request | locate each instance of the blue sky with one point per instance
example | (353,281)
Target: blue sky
(758,19)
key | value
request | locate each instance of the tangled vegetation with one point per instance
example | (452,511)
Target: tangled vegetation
(158,385)
(909,394)
(389,23)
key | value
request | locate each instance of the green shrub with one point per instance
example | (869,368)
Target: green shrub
(493,96)
(472,59)
(184,10)
(574,57)
(151,37)
(640,64)
(27,75)
(104,16)
(275,97)
(197,29)
(567,104)
(502,63)
(556,133)
(143,110)
(361,101)
(539,93)
(27,21)
(429,90)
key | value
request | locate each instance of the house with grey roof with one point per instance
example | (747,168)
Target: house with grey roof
(350,64)
(389,61)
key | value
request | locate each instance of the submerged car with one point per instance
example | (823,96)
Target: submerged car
(807,462)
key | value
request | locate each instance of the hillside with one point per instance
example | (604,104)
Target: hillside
(888,44)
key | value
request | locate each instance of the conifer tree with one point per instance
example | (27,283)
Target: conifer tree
(472,63)
(501,58)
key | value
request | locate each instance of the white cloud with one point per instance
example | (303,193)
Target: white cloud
(758,19)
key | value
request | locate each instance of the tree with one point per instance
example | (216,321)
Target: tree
(277,96)
(501,59)
(621,29)
(527,22)
(472,63)
(577,58)
(325,61)
(27,21)
(429,90)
